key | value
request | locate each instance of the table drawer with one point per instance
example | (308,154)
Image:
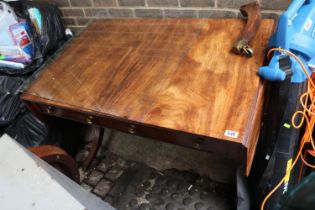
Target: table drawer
(68,114)
(229,149)
(86,118)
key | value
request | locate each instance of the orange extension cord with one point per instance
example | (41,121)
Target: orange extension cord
(307,101)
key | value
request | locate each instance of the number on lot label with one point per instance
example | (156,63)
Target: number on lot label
(231,134)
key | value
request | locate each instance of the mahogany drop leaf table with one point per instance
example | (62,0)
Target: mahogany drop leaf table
(174,80)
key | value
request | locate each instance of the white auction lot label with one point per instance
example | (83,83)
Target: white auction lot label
(232,134)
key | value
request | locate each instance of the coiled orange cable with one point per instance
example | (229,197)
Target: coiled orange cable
(307,101)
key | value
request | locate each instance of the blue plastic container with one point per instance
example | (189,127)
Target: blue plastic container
(296,33)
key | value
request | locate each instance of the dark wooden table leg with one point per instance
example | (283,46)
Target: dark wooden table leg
(96,136)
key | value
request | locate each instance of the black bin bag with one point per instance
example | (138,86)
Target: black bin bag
(47,40)
(46,36)
(28,130)
(52,34)
(10,102)
(28,69)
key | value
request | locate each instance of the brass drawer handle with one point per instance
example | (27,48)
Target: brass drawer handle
(131,129)
(49,109)
(89,120)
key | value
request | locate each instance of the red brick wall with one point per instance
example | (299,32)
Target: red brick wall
(77,13)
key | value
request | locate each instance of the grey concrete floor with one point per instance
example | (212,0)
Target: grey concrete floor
(161,156)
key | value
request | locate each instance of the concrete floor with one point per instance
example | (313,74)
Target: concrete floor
(161,156)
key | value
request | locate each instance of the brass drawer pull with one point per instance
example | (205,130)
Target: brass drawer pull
(49,109)
(89,120)
(131,129)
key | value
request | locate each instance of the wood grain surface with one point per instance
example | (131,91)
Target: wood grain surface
(177,74)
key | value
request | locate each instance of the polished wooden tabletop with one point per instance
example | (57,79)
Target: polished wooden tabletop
(178,74)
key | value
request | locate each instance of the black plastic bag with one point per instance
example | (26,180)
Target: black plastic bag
(53,31)
(28,69)
(52,34)
(16,6)
(10,102)
(28,130)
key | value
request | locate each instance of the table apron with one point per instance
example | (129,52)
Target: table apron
(232,150)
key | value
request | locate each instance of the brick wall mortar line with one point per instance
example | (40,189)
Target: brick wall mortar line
(87,17)
(148,8)
(167,8)
(84,12)
(108,14)
(172,8)
(161,8)
(273,11)
(73,8)
(133,13)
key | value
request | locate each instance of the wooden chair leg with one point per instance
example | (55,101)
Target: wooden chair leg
(59,159)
